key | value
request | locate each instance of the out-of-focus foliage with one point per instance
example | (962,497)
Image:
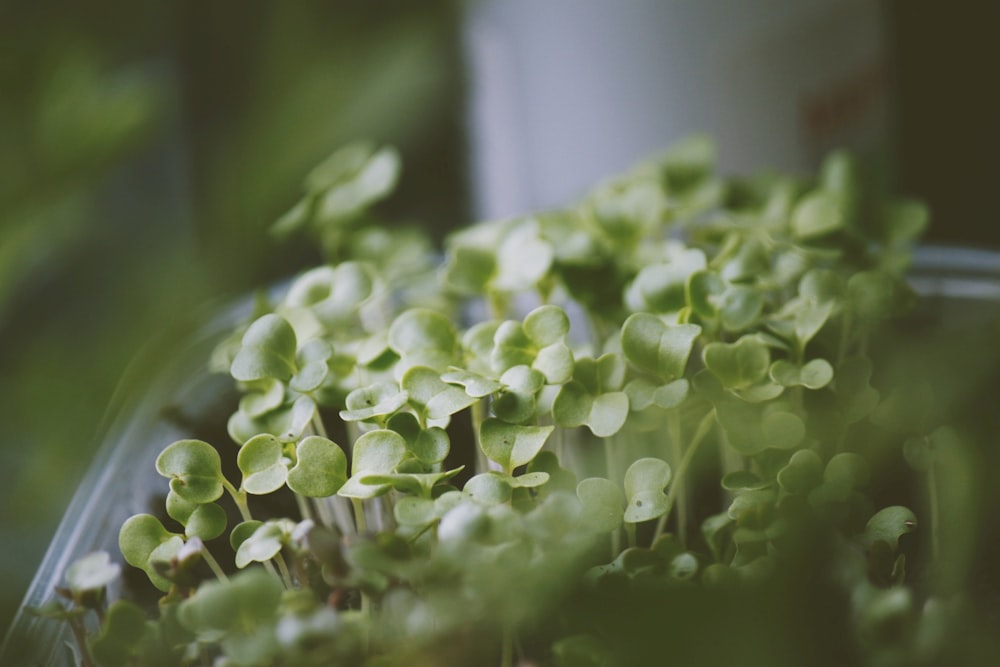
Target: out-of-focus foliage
(143,149)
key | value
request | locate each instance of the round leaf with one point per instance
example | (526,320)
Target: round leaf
(206,522)
(267,351)
(194,469)
(261,460)
(739,364)
(320,469)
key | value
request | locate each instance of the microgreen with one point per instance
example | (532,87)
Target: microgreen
(717,418)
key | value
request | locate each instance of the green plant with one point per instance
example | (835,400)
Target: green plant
(576,440)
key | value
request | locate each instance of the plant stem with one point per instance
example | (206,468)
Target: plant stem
(934,501)
(286,576)
(240,498)
(704,426)
(507,647)
(477,415)
(317,424)
(213,565)
(677,450)
(630,535)
(304,510)
(80,636)
(359,515)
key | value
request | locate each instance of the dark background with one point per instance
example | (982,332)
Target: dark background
(145,148)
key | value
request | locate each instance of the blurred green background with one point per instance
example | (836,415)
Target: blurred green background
(145,148)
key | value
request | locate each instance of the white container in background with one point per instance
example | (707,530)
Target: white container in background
(565,92)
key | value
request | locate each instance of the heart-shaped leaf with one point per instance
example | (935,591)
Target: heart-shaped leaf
(286,423)
(512,445)
(320,468)
(802,473)
(261,460)
(141,537)
(815,374)
(645,481)
(267,351)
(604,414)
(262,396)
(740,364)
(333,294)
(432,396)
(655,347)
(378,400)
(194,469)
(375,453)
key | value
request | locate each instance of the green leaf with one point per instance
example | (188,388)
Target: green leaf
(604,414)
(93,572)
(523,258)
(848,470)
(489,488)
(655,347)
(424,337)
(286,423)
(739,307)
(414,511)
(143,539)
(242,531)
(418,484)
(265,395)
(818,214)
(194,469)
(475,385)
(119,636)
(320,469)
(783,430)
(267,351)
(206,522)
(603,503)
(645,481)
(262,462)
(803,472)
(512,445)
(265,543)
(374,453)
(334,295)
(546,325)
(889,524)
(312,363)
(378,400)
(740,364)
(233,607)
(431,395)
(815,374)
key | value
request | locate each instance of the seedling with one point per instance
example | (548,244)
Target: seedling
(485,473)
